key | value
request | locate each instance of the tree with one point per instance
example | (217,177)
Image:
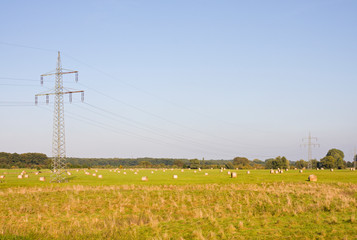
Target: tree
(179,163)
(301,164)
(328,162)
(194,163)
(333,159)
(241,161)
(229,165)
(278,162)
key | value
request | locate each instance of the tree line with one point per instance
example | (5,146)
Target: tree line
(333,159)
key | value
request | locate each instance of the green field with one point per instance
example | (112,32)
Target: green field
(258,205)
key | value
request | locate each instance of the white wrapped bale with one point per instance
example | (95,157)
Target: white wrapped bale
(42,179)
(144,178)
(175,177)
(233,175)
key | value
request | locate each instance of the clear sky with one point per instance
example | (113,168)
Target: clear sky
(184,78)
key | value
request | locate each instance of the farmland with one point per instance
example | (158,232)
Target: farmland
(258,205)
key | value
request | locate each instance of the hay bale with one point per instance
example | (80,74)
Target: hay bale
(300,171)
(42,179)
(287,169)
(233,175)
(100,176)
(331,169)
(94,174)
(2,177)
(181,170)
(175,177)
(229,173)
(221,170)
(199,169)
(135,172)
(281,171)
(144,178)
(36,173)
(312,178)
(26,176)
(69,174)
(248,172)
(152,171)
(206,174)
(322,168)
(276,171)
(272,171)
(195,171)
(124,173)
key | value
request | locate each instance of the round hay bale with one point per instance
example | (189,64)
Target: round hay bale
(331,169)
(2,177)
(229,173)
(175,177)
(206,174)
(248,172)
(300,171)
(100,176)
(195,171)
(272,171)
(233,175)
(42,179)
(312,178)
(144,178)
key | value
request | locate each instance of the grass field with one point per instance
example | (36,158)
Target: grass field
(258,205)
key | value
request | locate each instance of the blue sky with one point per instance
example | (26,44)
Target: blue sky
(192,79)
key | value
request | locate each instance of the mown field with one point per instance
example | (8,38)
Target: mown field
(258,205)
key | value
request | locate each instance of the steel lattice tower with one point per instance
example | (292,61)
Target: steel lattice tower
(309,145)
(58,137)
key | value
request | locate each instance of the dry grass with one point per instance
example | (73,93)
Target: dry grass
(212,211)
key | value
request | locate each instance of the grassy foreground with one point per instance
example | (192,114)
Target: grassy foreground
(258,205)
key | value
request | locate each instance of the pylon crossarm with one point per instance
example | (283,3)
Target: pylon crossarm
(57,73)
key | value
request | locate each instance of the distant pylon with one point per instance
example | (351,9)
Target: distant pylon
(58,137)
(309,145)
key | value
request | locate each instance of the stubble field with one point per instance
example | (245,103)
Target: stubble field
(258,205)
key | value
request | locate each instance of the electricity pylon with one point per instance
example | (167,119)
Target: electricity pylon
(309,145)
(58,137)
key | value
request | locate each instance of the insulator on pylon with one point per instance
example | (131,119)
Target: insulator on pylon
(70,97)
(76,76)
(47,99)
(41,80)
(82,96)
(36,100)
